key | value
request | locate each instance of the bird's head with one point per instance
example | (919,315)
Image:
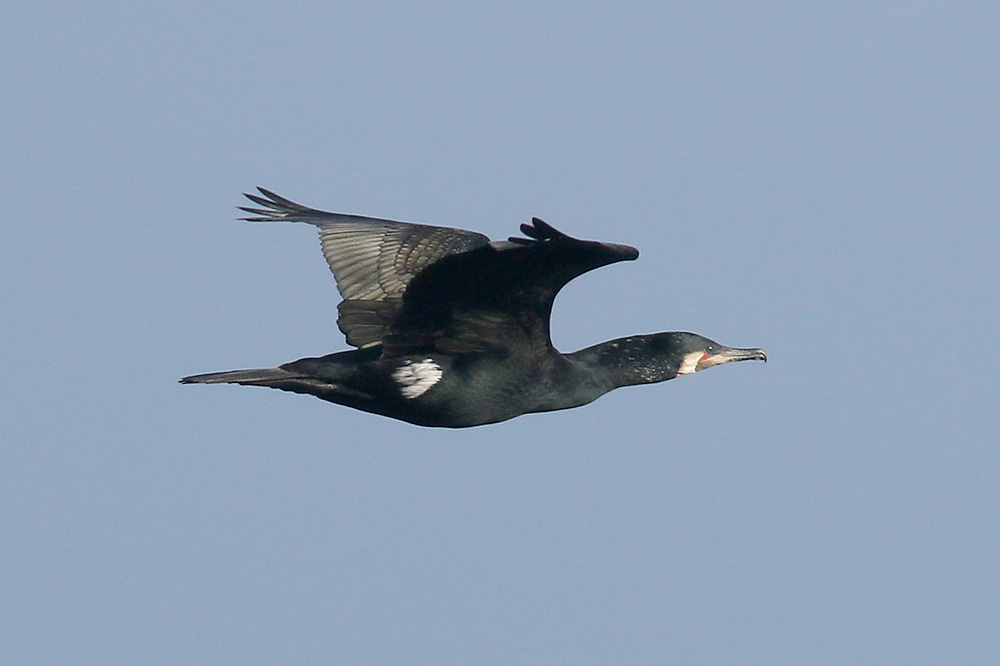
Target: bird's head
(646,359)
(696,352)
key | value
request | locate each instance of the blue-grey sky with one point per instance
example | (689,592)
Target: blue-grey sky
(818,179)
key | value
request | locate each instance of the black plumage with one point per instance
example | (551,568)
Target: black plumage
(452,329)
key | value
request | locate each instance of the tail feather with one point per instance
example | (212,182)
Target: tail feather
(258,377)
(286,380)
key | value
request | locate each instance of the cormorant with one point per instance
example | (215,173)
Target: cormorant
(452,330)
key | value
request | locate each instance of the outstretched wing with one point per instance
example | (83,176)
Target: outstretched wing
(373,260)
(498,297)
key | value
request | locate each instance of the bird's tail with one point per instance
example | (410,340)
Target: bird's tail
(286,380)
(259,377)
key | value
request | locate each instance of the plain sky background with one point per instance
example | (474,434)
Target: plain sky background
(818,179)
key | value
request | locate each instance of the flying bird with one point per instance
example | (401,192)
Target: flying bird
(451,329)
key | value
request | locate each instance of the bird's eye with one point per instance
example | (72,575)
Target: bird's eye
(710,350)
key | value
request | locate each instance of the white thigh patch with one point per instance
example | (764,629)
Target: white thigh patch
(415,379)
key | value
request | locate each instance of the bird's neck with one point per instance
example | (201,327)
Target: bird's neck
(626,362)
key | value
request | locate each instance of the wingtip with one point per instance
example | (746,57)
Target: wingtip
(268,196)
(546,230)
(276,198)
(539,230)
(273,207)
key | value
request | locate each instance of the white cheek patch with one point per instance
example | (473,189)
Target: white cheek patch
(415,379)
(690,363)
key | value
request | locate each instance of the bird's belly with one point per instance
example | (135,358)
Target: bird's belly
(477,398)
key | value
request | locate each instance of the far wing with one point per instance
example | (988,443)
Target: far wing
(373,260)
